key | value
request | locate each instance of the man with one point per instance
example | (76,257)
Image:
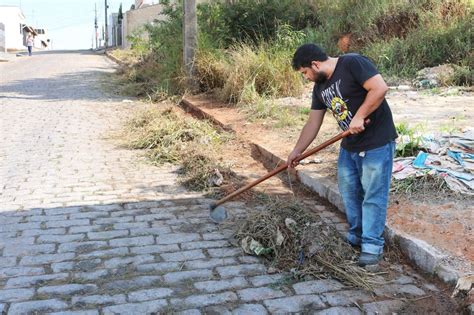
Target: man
(353,90)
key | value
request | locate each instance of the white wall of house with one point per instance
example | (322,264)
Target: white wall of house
(3,47)
(13,19)
(133,20)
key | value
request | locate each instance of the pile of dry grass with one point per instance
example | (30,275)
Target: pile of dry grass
(294,240)
(170,137)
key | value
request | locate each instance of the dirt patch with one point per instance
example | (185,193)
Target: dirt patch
(446,224)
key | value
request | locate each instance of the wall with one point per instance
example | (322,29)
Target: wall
(134,19)
(3,47)
(12,17)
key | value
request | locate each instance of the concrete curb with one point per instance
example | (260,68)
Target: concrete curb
(421,254)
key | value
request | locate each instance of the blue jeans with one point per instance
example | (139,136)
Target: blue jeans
(364,183)
(30,50)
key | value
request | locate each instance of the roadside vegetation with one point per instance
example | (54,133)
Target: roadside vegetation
(245,47)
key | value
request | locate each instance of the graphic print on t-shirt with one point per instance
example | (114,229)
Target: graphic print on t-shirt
(334,100)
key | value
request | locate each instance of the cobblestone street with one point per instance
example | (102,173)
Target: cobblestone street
(88,227)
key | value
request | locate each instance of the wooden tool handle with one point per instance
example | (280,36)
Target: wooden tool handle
(282,167)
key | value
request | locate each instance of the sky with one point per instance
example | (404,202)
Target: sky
(70,23)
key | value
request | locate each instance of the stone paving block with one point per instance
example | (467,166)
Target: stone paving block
(188,312)
(36,306)
(85,229)
(249,259)
(21,250)
(107,234)
(17,241)
(84,312)
(62,266)
(382,307)
(60,238)
(224,252)
(14,295)
(339,311)
(201,274)
(20,271)
(67,289)
(62,210)
(205,300)
(157,231)
(399,289)
(183,255)
(67,223)
(88,215)
(124,261)
(137,308)
(38,232)
(7,261)
(27,281)
(131,225)
(20,227)
(317,286)
(132,241)
(160,267)
(154,217)
(154,249)
(119,251)
(133,283)
(45,259)
(295,303)
(204,244)
(81,247)
(221,285)
(240,270)
(46,218)
(114,220)
(151,294)
(213,236)
(209,263)
(343,298)
(94,300)
(88,276)
(267,279)
(258,294)
(141,205)
(403,279)
(250,309)
(175,238)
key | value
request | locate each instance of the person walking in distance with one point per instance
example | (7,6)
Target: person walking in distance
(353,90)
(29,43)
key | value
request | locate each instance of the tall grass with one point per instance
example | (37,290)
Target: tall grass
(245,46)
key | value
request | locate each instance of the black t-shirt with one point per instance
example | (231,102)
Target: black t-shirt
(343,94)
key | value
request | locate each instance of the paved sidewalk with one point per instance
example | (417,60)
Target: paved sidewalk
(87,227)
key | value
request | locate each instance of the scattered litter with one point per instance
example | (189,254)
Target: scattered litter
(448,156)
(463,286)
(293,239)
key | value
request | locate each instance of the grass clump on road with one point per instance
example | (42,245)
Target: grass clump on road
(292,239)
(170,137)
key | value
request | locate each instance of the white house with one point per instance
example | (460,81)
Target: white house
(14,21)
(42,40)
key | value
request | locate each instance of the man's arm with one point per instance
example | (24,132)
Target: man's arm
(376,90)
(307,135)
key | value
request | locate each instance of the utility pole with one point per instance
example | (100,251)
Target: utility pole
(190,40)
(96,26)
(106,37)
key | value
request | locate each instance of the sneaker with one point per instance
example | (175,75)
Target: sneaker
(366,259)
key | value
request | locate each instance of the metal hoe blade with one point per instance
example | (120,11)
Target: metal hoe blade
(218,214)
